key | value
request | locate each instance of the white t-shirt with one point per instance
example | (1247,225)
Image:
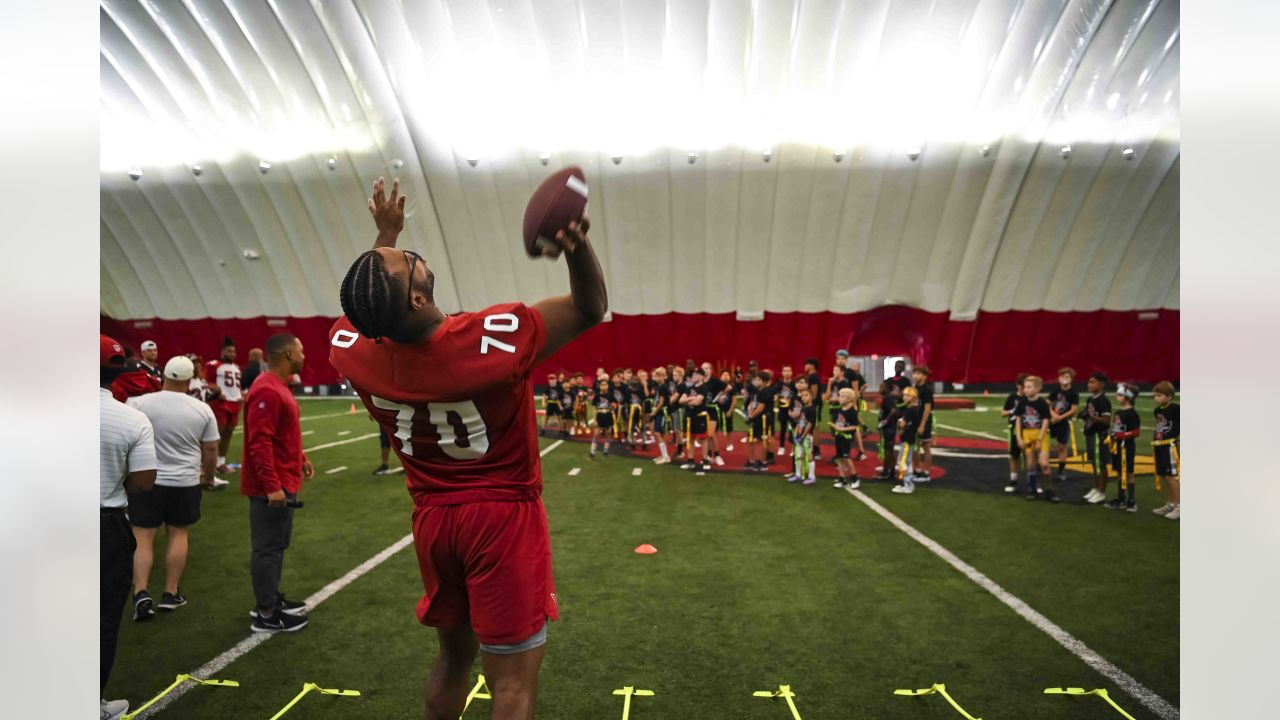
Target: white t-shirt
(181,424)
(125,445)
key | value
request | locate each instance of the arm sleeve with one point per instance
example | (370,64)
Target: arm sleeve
(142,455)
(259,439)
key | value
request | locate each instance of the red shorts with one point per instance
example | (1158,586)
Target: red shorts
(225,412)
(487,563)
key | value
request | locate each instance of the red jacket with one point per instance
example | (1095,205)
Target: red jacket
(133,384)
(272,439)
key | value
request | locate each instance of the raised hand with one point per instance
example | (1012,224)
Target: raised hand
(569,240)
(387,212)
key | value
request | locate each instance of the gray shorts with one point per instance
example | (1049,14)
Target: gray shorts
(535,640)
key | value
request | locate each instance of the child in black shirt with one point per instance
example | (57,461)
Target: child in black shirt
(1165,447)
(888,427)
(1032,419)
(924,448)
(1015,450)
(1064,403)
(908,430)
(1097,418)
(606,404)
(804,417)
(843,427)
(1126,424)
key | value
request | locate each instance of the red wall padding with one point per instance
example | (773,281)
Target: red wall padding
(993,348)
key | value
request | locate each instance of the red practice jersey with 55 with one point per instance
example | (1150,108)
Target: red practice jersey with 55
(459,406)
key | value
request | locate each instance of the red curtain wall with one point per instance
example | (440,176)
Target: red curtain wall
(1131,345)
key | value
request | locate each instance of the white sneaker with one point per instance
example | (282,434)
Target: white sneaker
(697,444)
(1099,497)
(114,709)
(729,447)
(1173,514)
(854,485)
(1164,509)
(906,488)
(1011,487)
(219,483)
(922,477)
(1093,496)
(661,460)
(720,461)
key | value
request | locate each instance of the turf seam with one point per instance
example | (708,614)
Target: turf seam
(1126,682)
(238,650)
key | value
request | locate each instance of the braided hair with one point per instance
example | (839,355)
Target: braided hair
(370,297)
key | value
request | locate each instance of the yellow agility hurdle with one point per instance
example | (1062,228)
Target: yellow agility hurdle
(1100,692)
(938,689)
(479,692)
(176,682)
(308,688)
(627,692)
(784,692)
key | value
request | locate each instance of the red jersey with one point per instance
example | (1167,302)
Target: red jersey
(459,406)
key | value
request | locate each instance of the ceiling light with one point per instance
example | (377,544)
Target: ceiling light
(767,154)
(473,161)
(263,166)
(1127,153)
(838,155)
(332,162)
(135,172)
(397,163)
(693,158)
(1065,151)
(544,158)
(985,150)
(913,154)
(196,170)
(617,159)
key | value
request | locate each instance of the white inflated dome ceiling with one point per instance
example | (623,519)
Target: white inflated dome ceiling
(764,150)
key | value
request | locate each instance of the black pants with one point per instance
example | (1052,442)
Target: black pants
(270,529)
(116,575)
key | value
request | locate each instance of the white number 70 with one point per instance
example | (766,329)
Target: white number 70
(502,322)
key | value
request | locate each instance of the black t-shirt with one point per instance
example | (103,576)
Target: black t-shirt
(603,401)
(768,396)
(816,387)
(855,379)
(712,387)
(251,373)
(902,381)
(1033,413)
(553,395)
(925,391)
(1096,407)
(1061,400)
(1167,422)
(847,417)
(806,417)
(784,393)
(635,393)
(912,415)
(698,391)
(619,397)
(835,386)
(1011,403)
(888,413)
(1125,420)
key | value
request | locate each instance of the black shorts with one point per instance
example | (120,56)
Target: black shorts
(554,409)
(844,446)
(1015,452)
(1127,452)
(383,440)
(604,420)
(165,505)
(755,428)
(1061,432)
(660,421)
(927,433)
(1165,466)
(1099,454)
(697,423)
(888,437)
(567,411)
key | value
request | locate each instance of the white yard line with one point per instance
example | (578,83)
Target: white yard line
(940,452)
(1123,680)
(341,442)
(975,433)
(635,471)
(240,427)
(338,469)
(575,471)
(220,662)
(343,432)
(308,432)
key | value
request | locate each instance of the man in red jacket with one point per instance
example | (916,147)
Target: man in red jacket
(271,474)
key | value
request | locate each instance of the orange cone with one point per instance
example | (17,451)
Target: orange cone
(352,411)
(646,549)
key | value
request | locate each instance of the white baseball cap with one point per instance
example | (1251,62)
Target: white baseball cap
(149,345)
(179,368)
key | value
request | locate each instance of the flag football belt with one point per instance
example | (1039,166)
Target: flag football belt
(1172,444)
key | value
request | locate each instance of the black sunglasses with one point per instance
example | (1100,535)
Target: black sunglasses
(413,259)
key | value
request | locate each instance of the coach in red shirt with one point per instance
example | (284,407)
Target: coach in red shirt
(271,475)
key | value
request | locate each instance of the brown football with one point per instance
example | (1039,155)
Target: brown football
(558,201)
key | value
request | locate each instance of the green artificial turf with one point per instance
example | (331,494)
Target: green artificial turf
(756,583)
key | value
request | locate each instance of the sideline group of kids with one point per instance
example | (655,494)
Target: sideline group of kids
(1110,439)
(693,409)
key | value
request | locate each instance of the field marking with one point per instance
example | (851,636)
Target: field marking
(343,432)
(338,469)
(308,432)
(238,650)
(635,471)
(341,442)
(941,452)
(1126,682)
(976,433)
(575,471)
(240,428)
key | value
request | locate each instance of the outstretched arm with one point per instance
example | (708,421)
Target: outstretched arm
(568,316)
(387,212)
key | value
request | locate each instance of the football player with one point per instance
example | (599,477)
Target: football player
(1165,446)
(224,374)
(1031,422)
(1064,403)
(457,391)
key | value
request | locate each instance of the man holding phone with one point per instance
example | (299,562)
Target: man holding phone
(271,475)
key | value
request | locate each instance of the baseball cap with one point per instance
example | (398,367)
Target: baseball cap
(179,368)
(839,353)
(149,345)
(110,351)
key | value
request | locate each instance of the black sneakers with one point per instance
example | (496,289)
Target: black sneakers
(171,601)
(143,606)
(278,622)
(286,606)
